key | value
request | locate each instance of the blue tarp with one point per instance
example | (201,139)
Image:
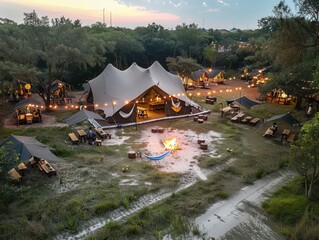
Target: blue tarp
(286,117)
(156,158)
(246,102)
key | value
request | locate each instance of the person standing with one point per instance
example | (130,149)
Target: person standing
(309,111)
(91,136)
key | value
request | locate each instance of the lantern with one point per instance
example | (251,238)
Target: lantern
(27,86)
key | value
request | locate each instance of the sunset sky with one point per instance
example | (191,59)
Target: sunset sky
(216,14)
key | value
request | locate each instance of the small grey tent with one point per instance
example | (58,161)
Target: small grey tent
(28,147)
(82,115)
(286,117)
(246,102)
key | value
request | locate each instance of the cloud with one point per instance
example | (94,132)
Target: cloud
(223,2)
(175,4)
(212,10)
(204,4)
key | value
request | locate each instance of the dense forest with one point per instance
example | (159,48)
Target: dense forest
(63,49)
(42,50)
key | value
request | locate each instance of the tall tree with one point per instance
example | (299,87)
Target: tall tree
(306,155)
(293,45)
(122,44)
(183,66)
(157,41)
(210,54)
(190,40)
(46,51)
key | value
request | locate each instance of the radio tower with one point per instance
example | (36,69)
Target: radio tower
(104,17)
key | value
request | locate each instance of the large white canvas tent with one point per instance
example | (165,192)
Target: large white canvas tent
(118,92)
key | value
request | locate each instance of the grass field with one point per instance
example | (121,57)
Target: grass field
(88,184)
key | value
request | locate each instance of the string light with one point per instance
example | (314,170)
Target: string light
(127,102)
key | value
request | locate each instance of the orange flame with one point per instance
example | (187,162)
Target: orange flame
(170,144)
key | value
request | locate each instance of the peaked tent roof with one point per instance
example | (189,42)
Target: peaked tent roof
(29,147)
(210,74)
(82,115)
(55,85)
(26,102)
(286,117)
(246,102)
(118,87)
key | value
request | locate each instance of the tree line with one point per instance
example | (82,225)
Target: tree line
(42,50)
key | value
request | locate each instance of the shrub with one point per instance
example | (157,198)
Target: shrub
(287,209)
(260,173)
(111,230)
(248,178)
(106,206)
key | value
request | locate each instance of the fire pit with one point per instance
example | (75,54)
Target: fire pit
(170,144)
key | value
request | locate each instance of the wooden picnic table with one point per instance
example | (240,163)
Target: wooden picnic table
(14,175)
(46,167)
(269,133)
(142,112)
(284,134)
(21,167)
(82,135)
(240,116)
(227,109)
(249,118)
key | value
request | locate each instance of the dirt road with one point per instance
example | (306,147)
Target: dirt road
(241,216)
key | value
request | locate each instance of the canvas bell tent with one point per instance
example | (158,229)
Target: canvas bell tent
(121,95)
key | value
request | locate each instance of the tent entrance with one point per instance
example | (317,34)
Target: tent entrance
(150,105)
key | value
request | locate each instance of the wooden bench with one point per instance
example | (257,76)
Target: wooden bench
(244,121)
(73,138)
(234,119)
(102,133)
(209,101)
(254,121)
(98,142)
(46,167)
(14,175)
(82,135)
(291,138)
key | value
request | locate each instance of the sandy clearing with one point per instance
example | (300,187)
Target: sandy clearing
(184,159)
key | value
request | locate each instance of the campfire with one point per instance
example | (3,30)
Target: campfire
(170,144)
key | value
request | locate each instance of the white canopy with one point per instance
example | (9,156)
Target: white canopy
(113,88)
